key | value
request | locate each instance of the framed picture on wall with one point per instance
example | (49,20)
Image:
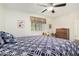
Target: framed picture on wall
(20,23)
(50,26)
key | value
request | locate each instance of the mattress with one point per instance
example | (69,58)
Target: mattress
(40,46)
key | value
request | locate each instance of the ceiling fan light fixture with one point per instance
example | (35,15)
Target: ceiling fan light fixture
(50,8)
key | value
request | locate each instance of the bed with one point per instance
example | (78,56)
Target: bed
(40,46)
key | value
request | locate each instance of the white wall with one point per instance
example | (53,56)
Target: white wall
(11,17)
(66,21)
(1,17)
(77,26)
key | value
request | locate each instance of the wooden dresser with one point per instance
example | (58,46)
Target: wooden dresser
(62,33)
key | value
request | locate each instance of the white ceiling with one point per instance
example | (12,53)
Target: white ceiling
(36,9)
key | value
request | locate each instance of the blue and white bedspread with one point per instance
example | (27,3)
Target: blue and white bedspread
(40,46)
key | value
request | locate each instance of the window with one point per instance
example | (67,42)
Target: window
(37,24)
(32,26)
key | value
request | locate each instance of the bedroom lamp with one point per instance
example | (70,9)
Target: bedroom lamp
(45,33)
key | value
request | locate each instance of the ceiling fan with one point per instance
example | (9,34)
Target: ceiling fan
(51,6)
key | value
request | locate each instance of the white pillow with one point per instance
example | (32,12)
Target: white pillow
(1,42)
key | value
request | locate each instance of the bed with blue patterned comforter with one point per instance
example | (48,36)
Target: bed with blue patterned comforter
(40,46)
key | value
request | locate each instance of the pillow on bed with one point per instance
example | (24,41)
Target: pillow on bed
(1,42)
(8,38)
(1,33)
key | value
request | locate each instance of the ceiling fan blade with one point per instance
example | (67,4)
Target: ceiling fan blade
(60,5)
(43,11)
(53,11)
